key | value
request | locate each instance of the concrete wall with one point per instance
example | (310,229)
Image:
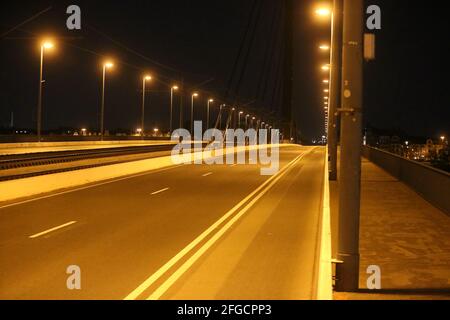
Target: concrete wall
(432,184)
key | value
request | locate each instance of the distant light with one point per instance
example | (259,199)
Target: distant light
(326,67)
(324,47)
(175,88)
(139,130)
(242,112)
(47,45)
(148,77)
(211,100)
(323,12)
(155,130)
(325,81)
(109,64)
(326,98)
(326,90)
(233,109)
(195,94)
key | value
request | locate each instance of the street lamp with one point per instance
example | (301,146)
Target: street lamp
(172,89)
(323,12)
(45,45)
(239,118)
(246,121)
(324,47)
(194,95)
(144,81)
(326,67)
(106,65)
(443,139)
(207,113)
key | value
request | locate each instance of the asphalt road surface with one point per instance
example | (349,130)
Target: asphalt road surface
(186,232)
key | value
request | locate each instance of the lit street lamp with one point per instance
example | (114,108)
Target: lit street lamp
(207,112)
(172,89)
(239,118)
(144,81)
(106,65)
(194,95)
(46,45)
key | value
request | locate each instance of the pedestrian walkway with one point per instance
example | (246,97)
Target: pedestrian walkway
(403,234)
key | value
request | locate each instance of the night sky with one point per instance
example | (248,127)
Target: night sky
(406,88)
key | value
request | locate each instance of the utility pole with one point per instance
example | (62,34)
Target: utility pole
(335,85)
(347,272)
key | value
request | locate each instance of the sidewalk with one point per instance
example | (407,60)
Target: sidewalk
(404,235)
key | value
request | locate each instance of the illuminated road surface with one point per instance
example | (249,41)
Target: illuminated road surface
(128,236)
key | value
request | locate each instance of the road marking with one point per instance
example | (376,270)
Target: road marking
(161,271)
(233,165)
(207,174)
(91,186)
(160,191)
(51,230)
(324,286)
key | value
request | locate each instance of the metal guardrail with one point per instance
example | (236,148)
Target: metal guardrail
(432,184)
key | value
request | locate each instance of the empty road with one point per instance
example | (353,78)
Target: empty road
(185,232)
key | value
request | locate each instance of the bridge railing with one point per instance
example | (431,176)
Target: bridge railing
(432,184)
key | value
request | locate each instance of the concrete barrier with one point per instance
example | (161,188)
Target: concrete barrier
(432,184)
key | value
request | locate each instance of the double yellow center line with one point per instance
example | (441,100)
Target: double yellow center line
(235,213)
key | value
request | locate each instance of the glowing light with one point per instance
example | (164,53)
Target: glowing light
(108,64)
(324,47)
(148,78)
(323,12)
(47,44)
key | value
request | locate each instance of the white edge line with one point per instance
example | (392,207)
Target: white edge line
(207,174)
(93,185)
(155,276)
(324,279)
(51,230)
(97,184)
(160,191)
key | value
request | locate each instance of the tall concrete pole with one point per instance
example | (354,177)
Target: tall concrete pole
(347,273)
(39,108)
(102,110)
(335,85)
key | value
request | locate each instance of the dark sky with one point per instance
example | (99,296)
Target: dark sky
(406,88)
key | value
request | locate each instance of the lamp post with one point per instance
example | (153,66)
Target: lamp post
(44,46)
(239,119)
(246,121)
(172,89)
(207,112)
(144,81)
(193,96)
(335,14)
(347,272)
(106,65)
